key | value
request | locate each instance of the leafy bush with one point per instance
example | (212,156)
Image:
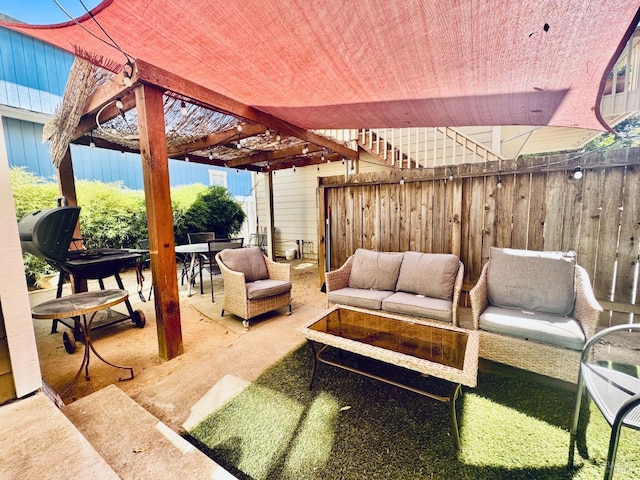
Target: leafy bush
(112,216)
(31,192)
(215,210)
(115,217)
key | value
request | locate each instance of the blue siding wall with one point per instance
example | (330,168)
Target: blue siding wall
(25,149)
(33,73)
(33,76)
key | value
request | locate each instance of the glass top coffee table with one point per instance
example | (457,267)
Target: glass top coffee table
(429,347)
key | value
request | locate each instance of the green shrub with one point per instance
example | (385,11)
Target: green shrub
(215,210)
(111,216)
(115,217)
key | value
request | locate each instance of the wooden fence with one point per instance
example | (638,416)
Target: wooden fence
(534,204)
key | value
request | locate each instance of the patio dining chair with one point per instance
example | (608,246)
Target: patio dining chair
(613,384)
(202,258)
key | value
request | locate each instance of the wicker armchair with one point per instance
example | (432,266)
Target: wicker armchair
(268,288)
(539,357)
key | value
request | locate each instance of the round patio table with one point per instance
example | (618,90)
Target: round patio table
(78,306)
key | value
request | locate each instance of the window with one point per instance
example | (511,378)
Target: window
(217,177)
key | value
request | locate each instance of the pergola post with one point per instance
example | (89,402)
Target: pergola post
(67,189)
(268,188)
(155,172)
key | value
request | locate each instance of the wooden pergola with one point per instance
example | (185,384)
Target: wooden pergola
(143,87)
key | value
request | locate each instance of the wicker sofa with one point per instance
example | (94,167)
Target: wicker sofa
(534,310)
(409,283)
(253,283)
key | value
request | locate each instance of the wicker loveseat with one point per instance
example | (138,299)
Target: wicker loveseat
(410,283)
(253,283)
(535,311)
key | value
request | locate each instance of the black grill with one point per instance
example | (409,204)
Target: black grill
(48,234)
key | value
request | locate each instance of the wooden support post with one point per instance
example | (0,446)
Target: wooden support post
(67,189)
(268,190)
(155,172)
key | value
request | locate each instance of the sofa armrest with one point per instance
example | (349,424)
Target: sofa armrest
(457,289)
(337,279)
(479,297)
(278,271)
(587,309)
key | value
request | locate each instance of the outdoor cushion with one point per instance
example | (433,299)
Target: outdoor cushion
(550,329)
(266,288)
(530,280)
(357,297)
(249,261)
(375,270)
(419,306)
(429,274)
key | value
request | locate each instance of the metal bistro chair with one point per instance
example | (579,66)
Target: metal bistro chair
(616,394)
(216,246)
(196,237)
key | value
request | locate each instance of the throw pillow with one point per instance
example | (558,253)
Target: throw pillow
(429,274)
(532,280)
(249,261)
(375,270)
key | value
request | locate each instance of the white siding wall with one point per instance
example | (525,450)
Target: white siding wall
(294,203)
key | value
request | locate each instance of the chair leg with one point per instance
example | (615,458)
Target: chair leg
(576,417)
(222,313)
(613,448)
(289,313)
(211,281)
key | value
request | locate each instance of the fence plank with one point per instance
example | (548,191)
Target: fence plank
(520,211)
(404,218)
(607,248)
(429,220)
(385,215)
(395,210)
(572,214)
(369,237)
(554,211)
(476,221)
(504,217)
(490,216)
(441,214)
(629,246)
(414,190)
(537,210)
(590,220)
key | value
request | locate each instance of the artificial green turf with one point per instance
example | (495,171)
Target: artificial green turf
(352,427)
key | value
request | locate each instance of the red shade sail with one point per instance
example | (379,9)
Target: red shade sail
(373,63)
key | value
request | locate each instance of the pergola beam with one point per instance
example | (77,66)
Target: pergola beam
(147,73)
(271,156)
(218,138)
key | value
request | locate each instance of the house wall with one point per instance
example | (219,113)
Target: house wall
(295,208)
(32,82)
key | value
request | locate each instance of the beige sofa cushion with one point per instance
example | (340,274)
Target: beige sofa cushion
(428,274)
(249,261)
(375,270)
(531,280)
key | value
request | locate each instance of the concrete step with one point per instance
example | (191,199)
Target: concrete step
(38,441)
(135,443)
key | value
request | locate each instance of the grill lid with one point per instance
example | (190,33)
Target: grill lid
(48,233)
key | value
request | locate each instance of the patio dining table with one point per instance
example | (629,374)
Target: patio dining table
(191,251)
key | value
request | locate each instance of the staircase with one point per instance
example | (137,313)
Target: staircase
(105,435)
